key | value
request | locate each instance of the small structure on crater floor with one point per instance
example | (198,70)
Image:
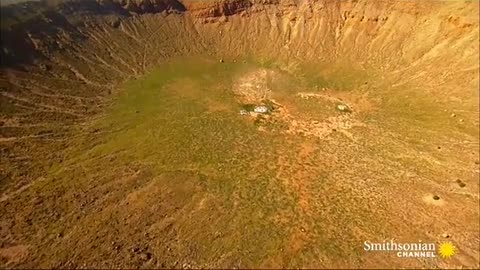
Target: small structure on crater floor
(343,108)
(261,109)
(253,110)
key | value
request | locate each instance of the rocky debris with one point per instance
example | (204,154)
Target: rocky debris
(341,106)
(221,60)
(144,6)
(217,9)
(446,235)
(115,23)
(309,95)
(44,67)
(453,115)
(253,87)
(145,256)
(141,253)
(115,246)
(280,120)
(460,183)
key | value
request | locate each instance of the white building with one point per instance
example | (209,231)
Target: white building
(260,109)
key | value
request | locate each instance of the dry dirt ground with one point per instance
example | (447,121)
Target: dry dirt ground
(122,146)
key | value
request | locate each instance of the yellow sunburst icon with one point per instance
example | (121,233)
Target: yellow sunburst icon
(447,250)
